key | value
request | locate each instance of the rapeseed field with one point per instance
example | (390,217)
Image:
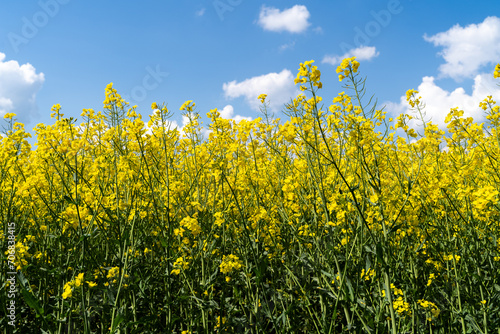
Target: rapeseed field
(334,219)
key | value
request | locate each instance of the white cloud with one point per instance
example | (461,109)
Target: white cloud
(293,20)
(228,113)
(5,105)
(467,49)
(200,12)
(361,53)
(279,88)
(439,101)
(19,85)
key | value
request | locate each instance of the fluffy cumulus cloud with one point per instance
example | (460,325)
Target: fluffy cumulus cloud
(439,101)
(293,20)
(19,85)
(467,49)
(361,53)
(279,88)
(228,113)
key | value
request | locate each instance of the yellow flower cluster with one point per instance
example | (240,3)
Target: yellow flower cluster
(192,225)
(484,197)
(112,100)
(188,106)
(308,73)
(180,264)
(9,115)
(113,272)
(219,322)
(432,310)
(230,263)
(450,257)
(347,66)
(400,305)
(370,273)
(68,287)
(21,253)
(412,99)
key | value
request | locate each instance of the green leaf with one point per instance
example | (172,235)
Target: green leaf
(117,321)
(471,320)
(29,298)
(351,291)
(32,302)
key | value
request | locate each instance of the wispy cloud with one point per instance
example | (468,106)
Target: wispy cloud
(200,12)
(287,46)
(318,30)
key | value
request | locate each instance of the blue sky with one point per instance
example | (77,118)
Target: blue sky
(224,53)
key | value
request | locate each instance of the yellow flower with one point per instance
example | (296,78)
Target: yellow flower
(191,224)
(188,105)
(230,263)
(429,306)
(410,96)
(67,291)
(347,66)
(368,274)
(113,272)
(262,97)
(401,306)
(431,277)
(306,73)
(180,263)
(9,115)
(91,284)
(451,256)
(344,241)
(219,218)
(374,198)
(78,280)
